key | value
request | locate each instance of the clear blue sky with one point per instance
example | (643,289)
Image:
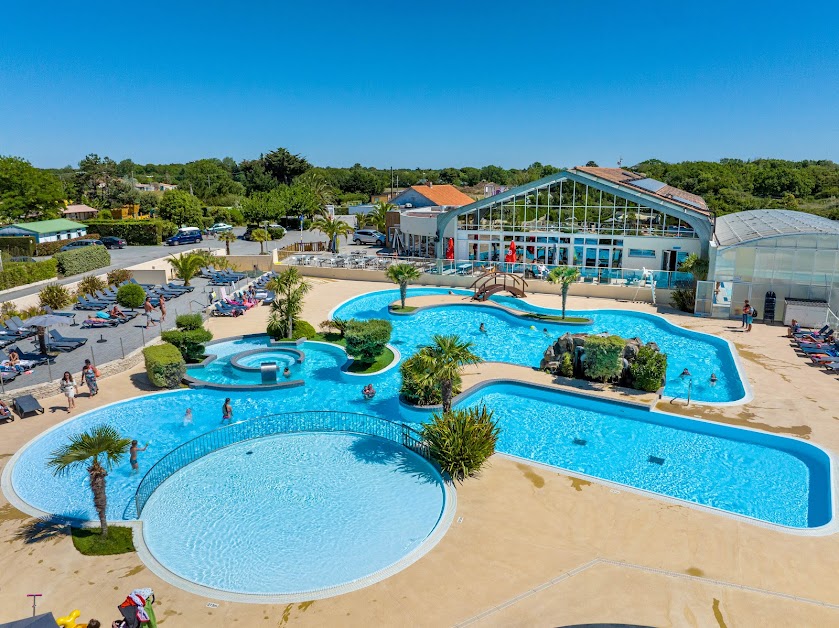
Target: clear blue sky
(427,84)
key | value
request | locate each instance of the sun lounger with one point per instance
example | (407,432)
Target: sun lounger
(27,404)
(70,315)
(99,323)
(224,310)
(57,337)
(809,332)
(35,358)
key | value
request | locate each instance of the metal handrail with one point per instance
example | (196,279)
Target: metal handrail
(269,425)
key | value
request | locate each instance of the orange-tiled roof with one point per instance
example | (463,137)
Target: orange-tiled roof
(443,195)
(668,192)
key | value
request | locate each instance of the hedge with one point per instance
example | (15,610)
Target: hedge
(165,365)
(82,260)
(45,249)
(137,232)
(18,246)
(367,339)
(131,295)
(22,273)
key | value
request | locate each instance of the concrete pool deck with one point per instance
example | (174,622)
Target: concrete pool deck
(529,546)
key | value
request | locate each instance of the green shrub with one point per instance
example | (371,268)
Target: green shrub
(116,277)
(51,248)
(82,260)
(8,309)
(131,295)
(366,340)
(684,298)
(55,296)
(419,390)
(566,366)
(29,312)
(276,233)
(22,273)
(648,369)
(104,214)
(603,357)
(136,232)
(302,329)
(18,246)
(90,284)
(461,441)
(165,365)
(188,322)
(189,342)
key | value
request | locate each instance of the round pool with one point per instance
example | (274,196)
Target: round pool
(253,360)
(294,513)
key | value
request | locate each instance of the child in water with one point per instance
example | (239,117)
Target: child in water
(188,417)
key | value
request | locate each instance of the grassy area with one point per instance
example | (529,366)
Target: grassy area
(361,368)
(398,309)
(558,319)
(90,543)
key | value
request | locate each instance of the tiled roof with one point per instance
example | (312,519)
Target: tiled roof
(50,226)
(443,195)
(664,191)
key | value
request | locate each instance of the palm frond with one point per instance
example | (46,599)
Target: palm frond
(101,441)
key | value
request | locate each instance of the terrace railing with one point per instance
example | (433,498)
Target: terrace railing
(286,423)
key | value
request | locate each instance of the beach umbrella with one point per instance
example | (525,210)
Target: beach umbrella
(42,322)
(511,256)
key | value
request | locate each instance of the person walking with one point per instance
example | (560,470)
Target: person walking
(89,375)
(68,387)
(162,306)
(148,308)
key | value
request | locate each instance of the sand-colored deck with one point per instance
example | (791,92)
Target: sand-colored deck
(529,546)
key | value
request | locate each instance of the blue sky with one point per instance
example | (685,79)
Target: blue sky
(425,85)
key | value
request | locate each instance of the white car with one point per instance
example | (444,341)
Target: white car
(219,227)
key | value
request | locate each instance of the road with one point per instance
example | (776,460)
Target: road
(131,255)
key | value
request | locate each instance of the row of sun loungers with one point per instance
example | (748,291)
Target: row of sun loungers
(819,347)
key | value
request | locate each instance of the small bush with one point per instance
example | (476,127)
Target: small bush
(302,329)
(131,295)
(276,233)
(18,246)
(8,309)
(165,365)
(89,285)
(566,366)
(188,322)
(648,369)
(603,357)
(338,324)
(29,312)
(366,340)
(189,342)
(22,273)
(461,441)
(55,296)
(51,248)
(82,260)
(116,277)
(684,299)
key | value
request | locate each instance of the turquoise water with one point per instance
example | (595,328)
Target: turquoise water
(293,513)
(538,428)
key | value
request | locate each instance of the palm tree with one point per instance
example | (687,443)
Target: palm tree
(378,216)
(262,236)
(442,361)
(105,446)
(290,288)
(227,237)
(186,265)
(403,274)
(316,182)
(564,275)
(332,228)
(696,266)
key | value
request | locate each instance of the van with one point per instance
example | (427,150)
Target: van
(185,235)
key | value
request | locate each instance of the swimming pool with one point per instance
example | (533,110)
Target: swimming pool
(293,513)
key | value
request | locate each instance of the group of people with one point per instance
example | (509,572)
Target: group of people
(89,377)
(368,392)
(148,308)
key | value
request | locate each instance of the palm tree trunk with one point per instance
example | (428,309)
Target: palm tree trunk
(100,499)
(261,247)
(446,390)
(227,246)
(564,298)
(403,292)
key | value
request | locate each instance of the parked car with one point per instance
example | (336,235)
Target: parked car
(26,260)
(369,236)
(185,235)
(77,244)
(113,242)
(219,227)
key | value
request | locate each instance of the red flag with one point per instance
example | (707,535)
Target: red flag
(450,249)
(511,256)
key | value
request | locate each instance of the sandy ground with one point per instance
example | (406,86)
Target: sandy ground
(529,546)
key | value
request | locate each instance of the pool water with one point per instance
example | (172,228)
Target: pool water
(255,360)
(293,513)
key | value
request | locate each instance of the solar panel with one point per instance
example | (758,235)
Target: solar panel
(686,201)
(651,185)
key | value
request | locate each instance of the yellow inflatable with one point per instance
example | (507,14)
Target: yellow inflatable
(69,621)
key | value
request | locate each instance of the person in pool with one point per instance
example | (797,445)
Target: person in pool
(368,391)
(482,328)
(545,331)
(713,379)
(188,417)
(227,411)
(286,372)
(132,455)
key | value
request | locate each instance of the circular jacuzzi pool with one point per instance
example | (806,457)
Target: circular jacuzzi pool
(294,514)
(254,359)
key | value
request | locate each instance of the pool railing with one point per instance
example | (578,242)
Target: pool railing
(270,425)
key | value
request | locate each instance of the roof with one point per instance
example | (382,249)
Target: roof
(50,226)
(444,195)
(75,209)
(757,224)
(642,183)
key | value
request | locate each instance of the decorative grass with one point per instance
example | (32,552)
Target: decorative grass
(558,319)
(90,542)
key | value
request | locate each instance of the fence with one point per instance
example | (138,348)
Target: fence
(291,422)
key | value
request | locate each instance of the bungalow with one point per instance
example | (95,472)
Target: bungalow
(46,230)
(429,195)
(79,212)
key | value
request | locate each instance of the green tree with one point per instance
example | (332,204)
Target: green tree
(318,185)
(290,289)
(333,229)
(94,178)
(262,236)
(186,265)
(494,174)
(461,441)
(180,207)
(565,276)
(284,166)
(25,191)
(299,200)
(442,360)
(227,237)
(366,340)
(263,207)
(148,202)
(403,274)
(131,295)
(255,178)
(209,180)
(378,215)
(100,448)
(603,357)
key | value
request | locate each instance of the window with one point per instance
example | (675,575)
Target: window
(641,253)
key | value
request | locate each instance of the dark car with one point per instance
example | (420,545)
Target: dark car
(77,244)
(113,242)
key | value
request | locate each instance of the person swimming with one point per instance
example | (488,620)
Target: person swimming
(482,328)
(286,372)
(713,379)
(368,391)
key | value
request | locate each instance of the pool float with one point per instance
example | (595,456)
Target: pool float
(69,621)
(533,327)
